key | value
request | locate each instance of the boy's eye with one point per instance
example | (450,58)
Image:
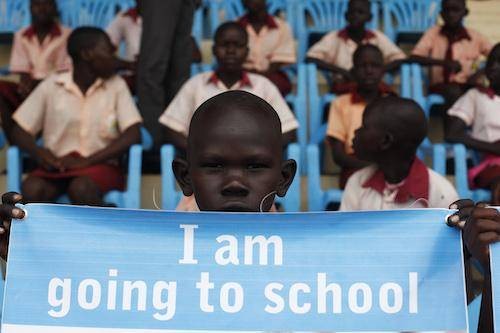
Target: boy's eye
(256,166)
(212,165)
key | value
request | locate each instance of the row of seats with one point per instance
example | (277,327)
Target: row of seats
(399,19)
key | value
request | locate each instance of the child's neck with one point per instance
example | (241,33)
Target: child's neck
(452,29)
(42,30)
(357,34)
(83,77)
(229,78)
(257,20)
(396,170)
(369,94)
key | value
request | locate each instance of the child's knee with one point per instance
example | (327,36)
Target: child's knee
(83,191)
(36,189)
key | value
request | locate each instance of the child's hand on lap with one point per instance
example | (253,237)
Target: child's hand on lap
(47,160)
(71,162)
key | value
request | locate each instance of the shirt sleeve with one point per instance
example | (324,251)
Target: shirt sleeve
(424,45)
(350,197)
(19,57)
(274,97)
(464,108)
(336,125)
(30,115)
(285,50)
(485,45)
(442,192)
(127,111)
(178,114)
(63,61)
(324,49)
(115,31)
(390,50)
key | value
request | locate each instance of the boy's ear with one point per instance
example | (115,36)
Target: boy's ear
(181,172)
(387,141)
(86,54)
(288,170)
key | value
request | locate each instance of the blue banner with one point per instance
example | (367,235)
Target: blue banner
(76,269)
(495,283)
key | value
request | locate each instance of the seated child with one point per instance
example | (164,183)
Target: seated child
(271,44)
(87,119)
(127,28)
(393,129)
(346,111)
(334,51)
(478,109)
(231,50)
(453,50)
(38,50)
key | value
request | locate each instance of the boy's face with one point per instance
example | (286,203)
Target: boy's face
(368,69)
(102,58)
(255,6)
(453,12)
(43,11)
(369,137)
(231,50)
(358,14)
(493,67)
(233,164)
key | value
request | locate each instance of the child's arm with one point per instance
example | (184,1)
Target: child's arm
(453,65)
(330,67)
(456,132)
(343,159)
(175,138)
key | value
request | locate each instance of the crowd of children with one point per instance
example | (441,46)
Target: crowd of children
(230,125)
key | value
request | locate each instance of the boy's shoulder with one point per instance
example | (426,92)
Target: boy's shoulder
(27,32)
(360,177)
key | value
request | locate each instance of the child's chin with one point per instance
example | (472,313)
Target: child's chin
(236,207)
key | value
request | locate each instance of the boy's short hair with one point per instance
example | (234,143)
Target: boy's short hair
(364,48)
(228,26)
(84,38)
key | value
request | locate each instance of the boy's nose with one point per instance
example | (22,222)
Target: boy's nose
(235,188)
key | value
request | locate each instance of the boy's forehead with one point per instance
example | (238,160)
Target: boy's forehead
(453,3)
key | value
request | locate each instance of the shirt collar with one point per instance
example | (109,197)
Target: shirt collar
(133,13)
(487,91)
(66,80)
(352,88)
(415,186)
(270,22)
(54,32)
(457,36)
(345,35)
(244,80)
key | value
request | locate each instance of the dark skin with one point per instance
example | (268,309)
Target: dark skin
(357,16)
(231,51)
(92,64)
(457,129)
(389,137)
(368,71)
(453,12)
(480,228)
(234,161)
(257,15)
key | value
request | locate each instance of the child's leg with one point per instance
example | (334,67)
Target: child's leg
(36,189)
(84,191)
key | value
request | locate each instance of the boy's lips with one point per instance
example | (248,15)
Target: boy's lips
(236,206)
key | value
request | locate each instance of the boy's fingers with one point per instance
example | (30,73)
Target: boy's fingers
(460,217)
(8,212)
(486,213)
(11,198)
(462,203)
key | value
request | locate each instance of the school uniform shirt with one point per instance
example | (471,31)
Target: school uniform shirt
(71,122)
(466,47)
(423,188)
(40,59)
(337,48)
(274,43)
(206,85)
(127,27)
(346,115)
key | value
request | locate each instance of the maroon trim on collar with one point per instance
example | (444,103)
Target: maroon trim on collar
(487,91)
(244,80)
(460,34)
(345,35)
(352,88)
(415,186)
(133,13)
(54,32)
(244,21)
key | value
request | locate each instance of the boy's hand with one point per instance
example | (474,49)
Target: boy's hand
(480,225)
(71,162)
(8,211)
(453,66)
(47,160)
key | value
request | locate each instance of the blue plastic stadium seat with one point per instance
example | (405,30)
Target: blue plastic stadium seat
(14,14)
(97,13)
(411,17)
(130,198)
(321,17)
(417,83)
(225,10)
(171,195)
